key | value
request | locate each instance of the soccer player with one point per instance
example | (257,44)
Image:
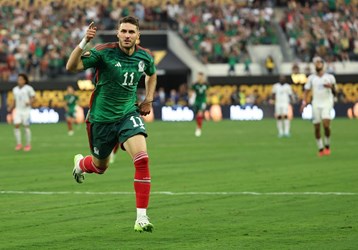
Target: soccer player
(24,96)
(323,87)
(199,87)
(71,101)
(282,94)
(114,117)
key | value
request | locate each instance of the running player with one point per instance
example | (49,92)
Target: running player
(71,101)
(323,87)
(282,94)
(199,87)
(114,116)
(24,96)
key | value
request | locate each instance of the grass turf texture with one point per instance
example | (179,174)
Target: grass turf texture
(229,157)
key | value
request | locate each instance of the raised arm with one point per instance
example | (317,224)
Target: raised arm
(150,85)
(74,63)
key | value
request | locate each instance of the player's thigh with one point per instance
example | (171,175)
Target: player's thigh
(129,128)
(17,119)
(135,144)
(281,110)
(22,117)
(316,115)
(326,113)
(102,139)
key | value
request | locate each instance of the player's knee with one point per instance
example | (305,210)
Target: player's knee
(141,160)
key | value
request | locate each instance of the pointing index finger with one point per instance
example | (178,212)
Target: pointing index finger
(91,25)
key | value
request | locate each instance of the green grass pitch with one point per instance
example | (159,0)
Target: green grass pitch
(205,179)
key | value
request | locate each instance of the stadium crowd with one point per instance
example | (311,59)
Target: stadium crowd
(219,33)
(325,28)
(37,36)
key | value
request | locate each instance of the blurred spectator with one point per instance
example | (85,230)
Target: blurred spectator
(308,70)
(251,99)
(37,37)
(270,64)
(247,63)
(213,30)
(341,96)
(173,98)
(183,97)
(162,95)
(232,61)
(323,28)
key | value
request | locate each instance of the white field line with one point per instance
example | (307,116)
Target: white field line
(181,193)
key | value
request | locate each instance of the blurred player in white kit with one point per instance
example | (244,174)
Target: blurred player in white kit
(24,96)
(282,94)
(323,87)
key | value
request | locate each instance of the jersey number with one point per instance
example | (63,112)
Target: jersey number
(135,124)
(126,78)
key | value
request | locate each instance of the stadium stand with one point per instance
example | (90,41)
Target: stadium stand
(325,28)
(36,36)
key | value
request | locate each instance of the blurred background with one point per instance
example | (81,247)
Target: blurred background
(241,46)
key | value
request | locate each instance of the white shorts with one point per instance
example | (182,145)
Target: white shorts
(22,117)
(321,113)
(281,109)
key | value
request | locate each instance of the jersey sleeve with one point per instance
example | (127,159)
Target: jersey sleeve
(150,68)
(31,92)
(333,80)
(91,59)
(308,84)
(274,89)
(290,91)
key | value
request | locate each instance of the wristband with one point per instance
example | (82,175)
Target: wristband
(83,43)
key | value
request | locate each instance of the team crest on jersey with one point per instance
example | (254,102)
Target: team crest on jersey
(141,66)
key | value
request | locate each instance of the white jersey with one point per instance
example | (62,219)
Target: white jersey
(282,93)
(22,97)
(321,96)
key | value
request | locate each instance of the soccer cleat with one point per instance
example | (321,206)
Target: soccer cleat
(71,132)
(77,173)
(321,153)
(142,224)
(18,147)
(326,151)
(198,132)
(27,148)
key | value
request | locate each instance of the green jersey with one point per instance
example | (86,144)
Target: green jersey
(116,78)
(200,92)
(71,101)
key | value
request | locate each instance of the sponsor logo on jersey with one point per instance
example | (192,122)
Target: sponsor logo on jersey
(118,64)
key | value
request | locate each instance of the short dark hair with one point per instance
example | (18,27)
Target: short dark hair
(129,19)
(26,78)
